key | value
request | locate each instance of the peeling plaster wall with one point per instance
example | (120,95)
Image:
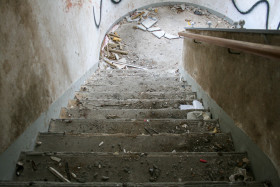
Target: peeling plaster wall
(247,88)
(47,46)
(44,49)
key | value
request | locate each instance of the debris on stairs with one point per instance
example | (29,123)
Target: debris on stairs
(110,139)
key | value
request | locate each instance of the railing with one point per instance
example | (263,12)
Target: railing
(268,51)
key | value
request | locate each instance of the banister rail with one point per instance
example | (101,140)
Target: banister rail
(268,51)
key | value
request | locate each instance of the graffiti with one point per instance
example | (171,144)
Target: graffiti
(97,24)
(253,7)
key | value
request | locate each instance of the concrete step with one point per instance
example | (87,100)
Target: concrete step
(136,127)
(111,80)
(125,113)
(133,167)
(148,184)
(128,104)
(133,72)
(133,95)
(135,87)
(134,81)
(192,142)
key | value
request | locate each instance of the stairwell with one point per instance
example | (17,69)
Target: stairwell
(125,128)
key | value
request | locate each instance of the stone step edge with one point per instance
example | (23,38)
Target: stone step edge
(66,120)
(148,154)
(131,135)
(127,100)
(130,184)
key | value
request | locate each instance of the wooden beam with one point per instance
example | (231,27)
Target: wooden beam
(268,51)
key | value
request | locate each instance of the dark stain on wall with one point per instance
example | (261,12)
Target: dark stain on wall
(26,58)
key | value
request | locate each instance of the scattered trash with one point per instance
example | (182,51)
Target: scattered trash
(149,22)
(55,158)
(67,171)
(202,160)
(215,130)
(141,27)
(154,29)
(118,51)
(154,131)
(183,6)
(186,107)
(174,151)
(192,23)
(198,12)
(19,168)
(170,36)
(199,115)
(185,126)
(101,143)
(155,173)
(116,153)
(206,116)
(159,34)
(128,19)
(209,23)
(240,175)
(105,178)
(246,160)
(137,15)
(38,143)
(111,116)
(34,166)
(58,175)
(196,105)
(146,129)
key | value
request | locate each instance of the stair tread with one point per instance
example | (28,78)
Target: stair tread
(125,113)
(129,103)
(133,95)
(191,142)
(148,184)
(136,88)
(133,167)
(132,126)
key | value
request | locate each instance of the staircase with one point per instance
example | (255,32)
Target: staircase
(125,128)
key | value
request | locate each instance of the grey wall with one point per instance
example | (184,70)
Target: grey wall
(246,89)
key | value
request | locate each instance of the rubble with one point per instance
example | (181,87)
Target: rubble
(154,173)
(19,168)
(170,36)
(195,115)
(101,143)
(149,22)
(55,158)
(141,27)
(158,34)
(38,143)
(196,105)
(58,175)
(151,29)
(240,175)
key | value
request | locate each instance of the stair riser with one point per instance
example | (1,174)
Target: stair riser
(143,143)
(125,113)
(118,79)
(134,168)
(129,95)
(129,127)
(137,88)
(127,104)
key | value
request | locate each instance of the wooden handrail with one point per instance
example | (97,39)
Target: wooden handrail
(269,51)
